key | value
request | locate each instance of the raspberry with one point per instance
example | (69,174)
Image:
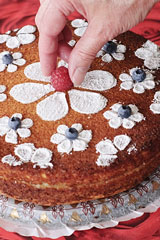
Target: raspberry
(60,79)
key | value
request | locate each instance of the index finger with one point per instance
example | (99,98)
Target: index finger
(50,21)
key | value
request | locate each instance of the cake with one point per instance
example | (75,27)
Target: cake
(89,142)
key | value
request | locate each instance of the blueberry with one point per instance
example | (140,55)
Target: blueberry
(124,111)
(110,47)
(71,133)
(14,123)
(138,75)
(7,59)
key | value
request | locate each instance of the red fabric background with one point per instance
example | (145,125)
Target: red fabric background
(16,13)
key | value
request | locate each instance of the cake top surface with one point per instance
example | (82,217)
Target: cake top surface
(90,130)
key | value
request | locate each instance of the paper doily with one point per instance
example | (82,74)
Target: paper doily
(29,219)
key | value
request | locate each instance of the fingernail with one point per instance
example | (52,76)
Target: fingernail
(79,75)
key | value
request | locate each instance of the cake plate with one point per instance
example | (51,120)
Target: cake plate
(29,219)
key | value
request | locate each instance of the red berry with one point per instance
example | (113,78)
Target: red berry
(60,79)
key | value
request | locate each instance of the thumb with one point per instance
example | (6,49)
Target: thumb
(85,51)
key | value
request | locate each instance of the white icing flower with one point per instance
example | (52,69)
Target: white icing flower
(27,152)
(118,55)
(11,134)
(3,96)
(80,25)
(10,61)
(115,121)
(138,87)
(23,36)
(150,53)
(55,106)
(108,150)
(65,144)
(155,106)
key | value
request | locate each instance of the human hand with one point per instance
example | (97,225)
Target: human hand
(106,18)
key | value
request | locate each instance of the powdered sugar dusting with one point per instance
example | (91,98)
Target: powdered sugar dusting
(86,102)
(108,150)
(27,152)
(99,80)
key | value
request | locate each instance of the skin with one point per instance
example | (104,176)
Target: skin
(106,18)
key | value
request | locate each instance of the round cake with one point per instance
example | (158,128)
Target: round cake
(82,143)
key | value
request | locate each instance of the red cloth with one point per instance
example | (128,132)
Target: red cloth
(16,13)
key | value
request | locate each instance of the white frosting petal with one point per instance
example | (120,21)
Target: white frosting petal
(72,43)
(53,108)
(10,160)
(138,88)
(118,56)
(86,102)
(80,31)
(133,108)
(149,76)
(121,141)
(143,53)
(155,108)
(4,121)
(151,45)
(3,130)
(115,122)
(11,68)
(137,117)
(3,97)
(16,55)
(3,38)
(116,106)
(24,132)
(29,92)
(26,38)
(18,115)
(25,151)
(107,58)
(106,147)
(125,77)
(85,135)
(27,29)
(42,158)
(109,114)
(157,96)
(98,80)
(65,146)
(19,62)
(152,63)
(62,129)
(2,67)
(121,48)
(26,123)
(105,160)
(148,84)
(79,23)
(57,138)
(13,42)
(128,85)
(33,72)
(77,126)
(62,63)
(127,123)
(100,53)
(11,137)
(79,145)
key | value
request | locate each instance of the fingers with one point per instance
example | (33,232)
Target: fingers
(50,21)
(85,51)
(64,51)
